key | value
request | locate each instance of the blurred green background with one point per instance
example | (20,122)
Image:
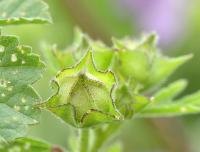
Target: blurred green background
(178,26)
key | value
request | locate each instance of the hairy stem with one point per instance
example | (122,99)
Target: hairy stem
(103,135)
(84,137)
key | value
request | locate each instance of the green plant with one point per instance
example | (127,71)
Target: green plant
(97,88)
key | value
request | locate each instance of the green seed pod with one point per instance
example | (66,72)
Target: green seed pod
(84,95)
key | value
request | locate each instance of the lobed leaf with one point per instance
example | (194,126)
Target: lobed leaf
(23,11)
(19,68)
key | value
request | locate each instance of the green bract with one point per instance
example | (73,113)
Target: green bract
(143,63)
(164,104)
(137,64)
(84,95)
(19,68)
(128,102)
(23,12)
(57,60)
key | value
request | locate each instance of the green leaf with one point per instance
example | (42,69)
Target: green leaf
(165,104)
(23,11)
(26,145)
(83,96)
(19,68)
(170,92)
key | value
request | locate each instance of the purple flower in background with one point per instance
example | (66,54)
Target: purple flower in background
(166,17)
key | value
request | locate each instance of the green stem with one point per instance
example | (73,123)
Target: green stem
(102,136)
(84,134)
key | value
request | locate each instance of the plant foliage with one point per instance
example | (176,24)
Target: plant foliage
(97,86)
(19,68)
(14,12)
